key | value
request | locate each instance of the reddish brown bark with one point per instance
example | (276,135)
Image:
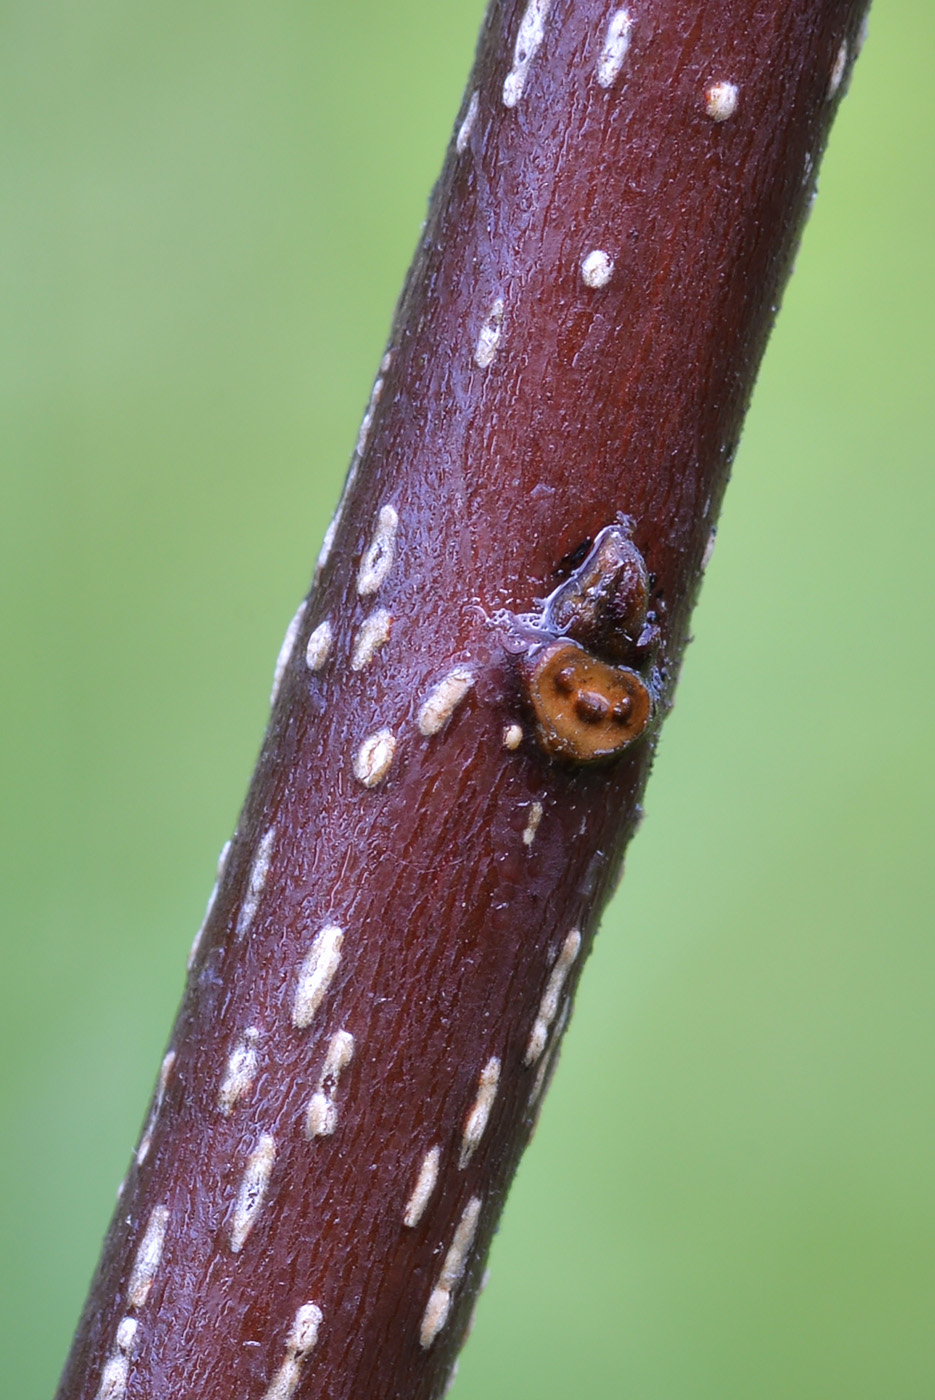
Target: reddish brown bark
(415,879)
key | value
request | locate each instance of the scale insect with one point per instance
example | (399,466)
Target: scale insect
(584,686)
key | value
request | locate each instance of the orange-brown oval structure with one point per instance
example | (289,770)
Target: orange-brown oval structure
(585,710)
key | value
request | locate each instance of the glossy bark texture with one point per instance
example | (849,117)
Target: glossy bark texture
(412,888)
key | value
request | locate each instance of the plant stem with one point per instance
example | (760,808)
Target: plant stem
(381,985)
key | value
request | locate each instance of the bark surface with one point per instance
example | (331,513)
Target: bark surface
(378,992)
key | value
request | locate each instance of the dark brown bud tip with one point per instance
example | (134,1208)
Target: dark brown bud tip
(603,604)
(584,709)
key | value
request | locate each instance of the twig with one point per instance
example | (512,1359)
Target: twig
(467,704)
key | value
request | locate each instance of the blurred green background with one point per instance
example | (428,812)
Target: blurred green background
(205,215)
